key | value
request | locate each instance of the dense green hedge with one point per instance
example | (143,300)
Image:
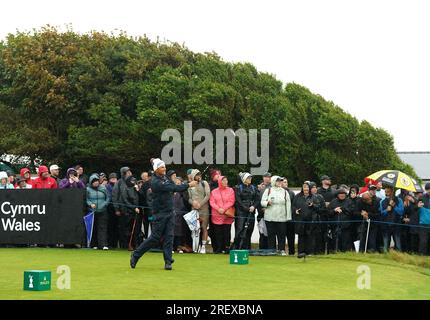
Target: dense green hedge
(103,100)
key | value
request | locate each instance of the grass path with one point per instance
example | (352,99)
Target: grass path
(107,275)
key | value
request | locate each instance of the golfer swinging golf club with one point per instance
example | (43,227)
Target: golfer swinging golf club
(164,219)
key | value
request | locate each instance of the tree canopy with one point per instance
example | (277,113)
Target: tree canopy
(103,100)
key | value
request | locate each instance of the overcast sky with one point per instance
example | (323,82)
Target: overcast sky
(370,57)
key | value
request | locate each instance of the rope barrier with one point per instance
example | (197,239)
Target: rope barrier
(331,222)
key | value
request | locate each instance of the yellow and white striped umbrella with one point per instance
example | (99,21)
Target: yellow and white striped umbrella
(397,179)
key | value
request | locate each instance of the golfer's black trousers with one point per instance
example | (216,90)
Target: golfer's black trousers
(162,228)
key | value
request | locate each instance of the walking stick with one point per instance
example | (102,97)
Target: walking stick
(132,233)
(367,236)
(244,231)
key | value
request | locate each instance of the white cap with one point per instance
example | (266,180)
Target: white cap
(54,167)
(157,163)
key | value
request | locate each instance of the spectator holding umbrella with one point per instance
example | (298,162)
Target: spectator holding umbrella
(97,200)
(44,181)
(380,192)
(392,210)
(71,180)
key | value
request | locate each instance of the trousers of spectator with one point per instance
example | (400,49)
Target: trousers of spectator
(391,231)
(341,238)
(424,236)
(291,238)
(222,237)
(125,227)
(345,240)
(113,227)
(307,240)
(101,226)
(276,231)
(371,242)
(321,230)
(243,228)
(410,240)
(162,227)
(320,239)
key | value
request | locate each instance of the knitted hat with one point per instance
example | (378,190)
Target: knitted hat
(244,175)
(157,163)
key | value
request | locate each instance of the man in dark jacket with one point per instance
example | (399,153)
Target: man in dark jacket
(392,210)
(125,203)
(247,201)
(164,217)
(339,212)
(410,239)
(368,209)
(305,209)
(326,232)
(319,229)
(55,173)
